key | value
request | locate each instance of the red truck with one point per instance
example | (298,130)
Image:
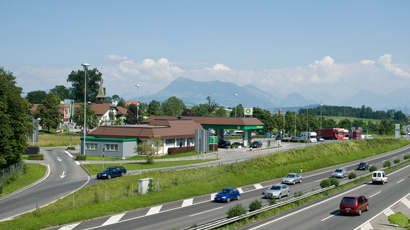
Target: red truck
(330,134)
(357,135)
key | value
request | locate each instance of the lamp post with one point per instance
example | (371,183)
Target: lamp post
(236,95)
(295,123)
(321,105)
(307,123)
(85,65)
(137,101)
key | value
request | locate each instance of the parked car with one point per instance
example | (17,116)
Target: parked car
(312,140)
(237,143)
(292,178)
(223,144)
(363,165)
(354,204)
(320,139)
(277,191)
(340,172)
(256,144)
(379,177)
(228,194)
(111,172)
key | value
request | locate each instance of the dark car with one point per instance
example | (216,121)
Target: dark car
(320,139)
(256,144)
(223,144)
(354,204)
(363,165)
(238,144)
(110,172)
(228,194)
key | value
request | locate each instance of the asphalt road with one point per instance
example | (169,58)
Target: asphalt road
(169,216)
(65,176)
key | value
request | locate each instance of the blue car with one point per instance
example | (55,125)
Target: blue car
(111,172)
(228,194)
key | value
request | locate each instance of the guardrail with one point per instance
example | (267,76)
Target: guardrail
(224,221)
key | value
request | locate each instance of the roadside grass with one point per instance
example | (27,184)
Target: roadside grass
(24,157)
(94,169)
(354,118)
(301,202)
(53,140)
(139,157)
(176,185)
(32,173)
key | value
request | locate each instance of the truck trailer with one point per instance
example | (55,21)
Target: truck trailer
(330,134)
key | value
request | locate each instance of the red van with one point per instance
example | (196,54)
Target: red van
(354,204)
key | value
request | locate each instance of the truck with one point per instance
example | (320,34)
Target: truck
(330,134)
(379,177)
(357,135)
(309,136)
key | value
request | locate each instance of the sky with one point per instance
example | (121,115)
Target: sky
(314,48)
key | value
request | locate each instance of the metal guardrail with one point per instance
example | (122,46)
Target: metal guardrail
(224,221)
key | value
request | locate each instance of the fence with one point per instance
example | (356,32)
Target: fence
(10,172)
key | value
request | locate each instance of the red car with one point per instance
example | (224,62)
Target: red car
(354,204)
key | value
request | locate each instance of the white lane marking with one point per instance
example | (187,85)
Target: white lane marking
(63,175)
(206,211)
(68,154)
(375,194)
(78,163)
(58,158)
(69,227)
(187,202)
(330,216)
(388,212)
(400,181)
(406,202)
(399,170)
(258,186)
(213,196)
(154,210)
(113,219)
(303,209)
(367,226)
(240,190)
(321,179)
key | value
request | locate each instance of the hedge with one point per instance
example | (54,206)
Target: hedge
(81,157)
(36,157)
(177,150)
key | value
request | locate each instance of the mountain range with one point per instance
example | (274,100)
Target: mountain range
(195,92)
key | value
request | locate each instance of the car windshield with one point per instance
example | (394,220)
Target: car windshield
(107,170)
(290,176)
(275,187)
(348,200)
(225,190)
(362,163)
(338,170)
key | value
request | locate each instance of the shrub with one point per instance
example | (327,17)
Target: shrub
(325,183)
(372,168)
(352,175)
(177,150)
(194,225)
(300,193)
(295,194)
(255,205)
(234,146)
(81,157)
(236,210)
(406,157)
(334,181)
(71,148)
(396,161)
(272,201)
(36,157)
(387,164)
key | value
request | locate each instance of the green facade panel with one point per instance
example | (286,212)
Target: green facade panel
(107,139)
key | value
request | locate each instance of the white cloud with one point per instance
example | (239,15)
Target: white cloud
(220,67)
(367,62)
(385,61)
(117,57)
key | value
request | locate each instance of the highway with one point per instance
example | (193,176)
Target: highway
(184,213)
(64,177)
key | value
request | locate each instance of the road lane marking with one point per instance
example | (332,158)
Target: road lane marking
(321,179)
(206,211)
(406,202)
(68,154)
(330,216)
(78,163)
(63,175)
(240,190)
(375,194)
(367,226)
(258,186)
(213,196)
(187,202)
(69,227)
(388,212)
(400,181)
(154,210)
(58,158)
(113,219)
(399,170)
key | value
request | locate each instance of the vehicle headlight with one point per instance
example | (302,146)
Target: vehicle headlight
(104,174)
(223,197)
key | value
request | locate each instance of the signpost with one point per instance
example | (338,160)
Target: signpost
(397,130)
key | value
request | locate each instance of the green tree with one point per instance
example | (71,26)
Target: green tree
(15,124)
(345,123)
(211,106)
(92,119)
(132,118)
(61,91)
(35,97)
(146,149)
(328,123)
(220,112)
(154,108)
(265,117)
(49,111)
(239,111)
(156,144)
(173,106)
(200,110)
(76,78)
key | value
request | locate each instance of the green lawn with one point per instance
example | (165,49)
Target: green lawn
(137,157)
(355,118)
(52,140)
(93,169)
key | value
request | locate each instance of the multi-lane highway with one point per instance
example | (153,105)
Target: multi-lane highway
(184,213)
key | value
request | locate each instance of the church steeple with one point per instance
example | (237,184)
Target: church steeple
(101,95)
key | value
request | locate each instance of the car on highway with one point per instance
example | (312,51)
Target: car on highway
(379,177)
(256,144)
(353,204)
(237,143)
(363,165)
(320,139)
(110,172)
(224,144)
(292,178)
(277,191)
(228,194)
(340,172)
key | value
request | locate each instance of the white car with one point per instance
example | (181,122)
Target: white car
(277,191)
(313,140)
(379,177)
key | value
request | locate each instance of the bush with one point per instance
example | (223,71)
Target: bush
(406,157)
(36,157)
(387,164)
(236,210)
(228,147)
(272,201)
(300,193)
(71,148)
(325,183)
(352,176)
(334,181)
(235,146)
(396,161)
(81,157)
(255,205)
(177,150)
(295,194)
(372,168)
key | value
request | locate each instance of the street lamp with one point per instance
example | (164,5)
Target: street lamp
(236,95)
(321,105)
(85,65)
(307,123)
(137,101)
(295,122)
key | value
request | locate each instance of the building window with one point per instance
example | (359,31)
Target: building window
(91,146)
(111,147)
(169,141)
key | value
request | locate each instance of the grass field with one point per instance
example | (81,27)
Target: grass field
(99,158)
(176,185)
(337,119)
(53,140)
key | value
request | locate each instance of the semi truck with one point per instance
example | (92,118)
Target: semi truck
(330,134)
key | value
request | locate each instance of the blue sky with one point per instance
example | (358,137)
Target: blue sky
(309,47)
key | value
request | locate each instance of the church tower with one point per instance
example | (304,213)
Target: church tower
(101,95)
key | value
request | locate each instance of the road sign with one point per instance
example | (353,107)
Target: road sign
(248,111)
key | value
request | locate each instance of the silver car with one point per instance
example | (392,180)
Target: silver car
(340,172)
(277,191)
(292,178)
